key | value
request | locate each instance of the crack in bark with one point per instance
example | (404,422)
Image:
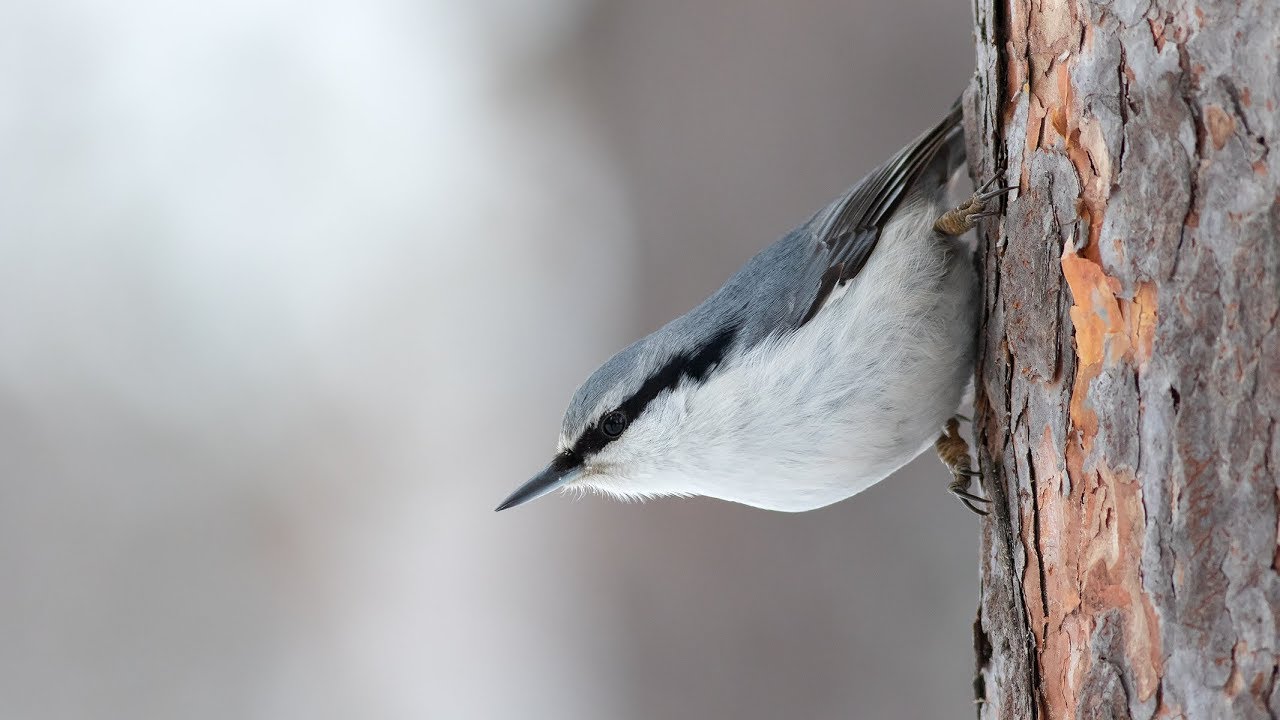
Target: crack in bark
(1035,533)
(1233,93)
(1122,80)
(1191,218)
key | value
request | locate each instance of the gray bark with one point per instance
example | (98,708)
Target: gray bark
(1128,387)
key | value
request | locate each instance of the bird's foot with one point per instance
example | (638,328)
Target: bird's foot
(953,451)
(962,219)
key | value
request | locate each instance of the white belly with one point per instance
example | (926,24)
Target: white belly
(859,391)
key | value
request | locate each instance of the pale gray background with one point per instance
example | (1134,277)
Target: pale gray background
(293,292)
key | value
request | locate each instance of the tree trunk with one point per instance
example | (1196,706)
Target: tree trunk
(1128,388)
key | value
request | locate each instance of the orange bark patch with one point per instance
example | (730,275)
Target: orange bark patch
(1142,322)
(1109,329)
(1221,126)
(1090,552)
(1157,33)
(1087,150)
(1115,578)
(1098,323)
(1094,536)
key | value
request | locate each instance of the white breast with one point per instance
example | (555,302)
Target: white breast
(831,409)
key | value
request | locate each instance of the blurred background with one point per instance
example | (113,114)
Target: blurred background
(293,293)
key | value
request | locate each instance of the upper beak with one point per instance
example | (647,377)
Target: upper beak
(554,476)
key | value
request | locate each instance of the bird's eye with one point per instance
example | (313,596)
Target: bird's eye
(613,424)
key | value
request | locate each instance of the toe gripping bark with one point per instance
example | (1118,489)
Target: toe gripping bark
(953,451)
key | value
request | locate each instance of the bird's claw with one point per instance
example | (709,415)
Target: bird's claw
(958,489)
(962,219)
(953,451)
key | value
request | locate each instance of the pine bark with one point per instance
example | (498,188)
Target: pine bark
(1128,388)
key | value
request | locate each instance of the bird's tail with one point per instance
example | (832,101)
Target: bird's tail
(951,154)
(924,165)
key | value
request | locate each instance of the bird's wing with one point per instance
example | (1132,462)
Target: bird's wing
(846,232)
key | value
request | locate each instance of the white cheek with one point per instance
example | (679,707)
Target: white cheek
(659,434)
(628,456)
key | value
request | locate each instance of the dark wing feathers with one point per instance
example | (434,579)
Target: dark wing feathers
(846,240)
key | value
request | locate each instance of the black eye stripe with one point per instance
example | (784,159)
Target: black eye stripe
(566,460)
(694,366)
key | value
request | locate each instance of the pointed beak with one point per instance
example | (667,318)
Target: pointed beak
(553,477)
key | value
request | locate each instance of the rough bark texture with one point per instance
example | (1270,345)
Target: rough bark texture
(1129,383)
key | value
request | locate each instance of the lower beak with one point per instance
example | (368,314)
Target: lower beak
(561,470)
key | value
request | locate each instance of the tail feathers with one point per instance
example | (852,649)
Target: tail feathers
(951,156)
(870,203)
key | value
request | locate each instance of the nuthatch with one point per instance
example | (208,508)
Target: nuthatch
(831,359)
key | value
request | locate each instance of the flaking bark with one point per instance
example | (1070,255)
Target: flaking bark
(1128,388)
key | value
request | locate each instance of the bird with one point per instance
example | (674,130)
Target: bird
(829,360)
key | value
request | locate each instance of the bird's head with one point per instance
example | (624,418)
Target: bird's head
(621,432)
